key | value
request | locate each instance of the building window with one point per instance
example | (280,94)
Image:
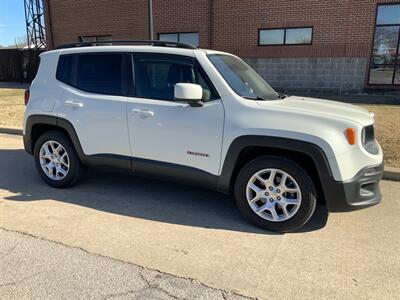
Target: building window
(99,38)
(285,36)
(272,37)
(182,37)
(384,69)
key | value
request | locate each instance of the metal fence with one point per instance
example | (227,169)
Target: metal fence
(18,65)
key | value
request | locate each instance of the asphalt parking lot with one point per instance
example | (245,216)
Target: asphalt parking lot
(198,234)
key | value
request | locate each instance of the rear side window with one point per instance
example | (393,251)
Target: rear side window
(100,73)
(64,69)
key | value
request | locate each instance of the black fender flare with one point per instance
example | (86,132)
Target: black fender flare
(97,160)
(306,148)
(54,121)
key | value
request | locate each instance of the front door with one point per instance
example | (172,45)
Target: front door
(163,130)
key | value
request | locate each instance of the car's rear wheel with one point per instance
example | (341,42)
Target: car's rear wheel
(275,193)
(56,160)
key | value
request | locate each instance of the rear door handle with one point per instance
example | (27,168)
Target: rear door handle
(73,104)
(142,112)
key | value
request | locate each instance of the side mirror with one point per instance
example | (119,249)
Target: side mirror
(190,93)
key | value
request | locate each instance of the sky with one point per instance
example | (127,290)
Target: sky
(12,21)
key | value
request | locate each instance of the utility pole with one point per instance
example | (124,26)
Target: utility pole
(35,27)
(150,18)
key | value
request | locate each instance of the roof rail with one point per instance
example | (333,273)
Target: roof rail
(129,42)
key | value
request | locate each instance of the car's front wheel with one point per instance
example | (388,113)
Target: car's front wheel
(56,160)
(275,193)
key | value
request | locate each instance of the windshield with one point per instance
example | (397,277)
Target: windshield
(242,78)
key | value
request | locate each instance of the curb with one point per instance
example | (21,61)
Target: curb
(11,130)
(390,173)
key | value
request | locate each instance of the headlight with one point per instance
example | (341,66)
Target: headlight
(368,139)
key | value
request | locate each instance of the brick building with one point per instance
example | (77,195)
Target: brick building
(329,46)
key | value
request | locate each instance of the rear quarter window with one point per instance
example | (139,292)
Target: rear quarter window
(64,69)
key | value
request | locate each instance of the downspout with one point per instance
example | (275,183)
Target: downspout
(211,28)
(150,17)
(50,25)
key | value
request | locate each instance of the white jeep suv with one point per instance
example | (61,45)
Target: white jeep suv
(200,117)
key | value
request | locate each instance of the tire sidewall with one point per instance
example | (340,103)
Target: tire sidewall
(73,159)
(308,194)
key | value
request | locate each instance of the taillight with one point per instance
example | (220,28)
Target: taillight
(27,94)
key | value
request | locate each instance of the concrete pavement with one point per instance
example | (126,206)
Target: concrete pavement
(194,233)
(33,268)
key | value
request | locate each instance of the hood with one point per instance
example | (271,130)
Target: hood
(338,110)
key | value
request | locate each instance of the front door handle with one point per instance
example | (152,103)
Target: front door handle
(73,104)
(143,112)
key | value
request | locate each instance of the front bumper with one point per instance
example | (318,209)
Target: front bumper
(359,192)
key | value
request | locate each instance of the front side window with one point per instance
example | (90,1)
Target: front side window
(243,80)
(182,37)
(385,68)
(285,36)
(100,73)
(156,76)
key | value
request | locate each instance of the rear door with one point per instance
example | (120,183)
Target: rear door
(94,101)
(163,130)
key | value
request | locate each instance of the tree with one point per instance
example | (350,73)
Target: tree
(20,41)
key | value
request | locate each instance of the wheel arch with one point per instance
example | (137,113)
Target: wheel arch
(246,148)
(36,125)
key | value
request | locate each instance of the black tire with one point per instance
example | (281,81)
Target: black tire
(76,169)
(306,185)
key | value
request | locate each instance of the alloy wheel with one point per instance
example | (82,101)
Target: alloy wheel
(273,194)
(54,160)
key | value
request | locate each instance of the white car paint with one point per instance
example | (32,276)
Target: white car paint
(175,130)
(165,131)
(188,91)
(99,120)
